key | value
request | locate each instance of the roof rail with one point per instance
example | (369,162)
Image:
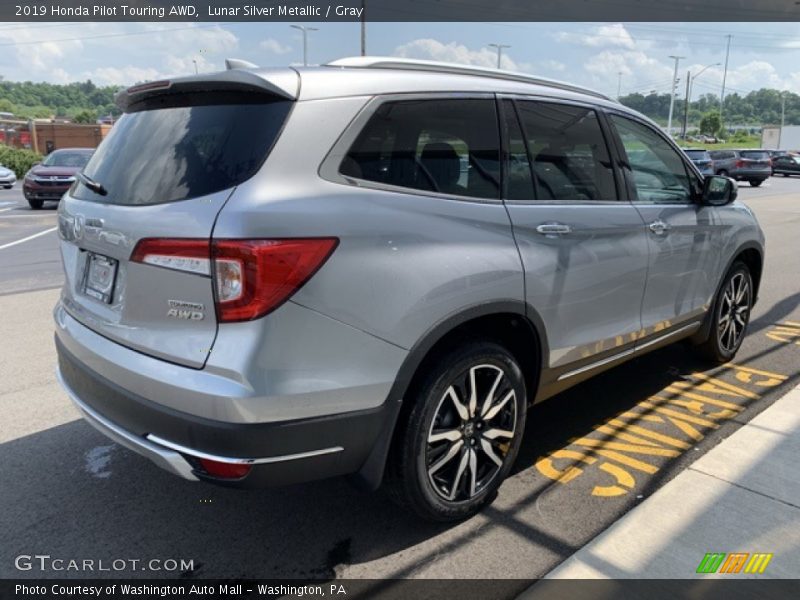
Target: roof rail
(388,62)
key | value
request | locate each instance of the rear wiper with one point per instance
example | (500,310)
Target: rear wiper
(93,185)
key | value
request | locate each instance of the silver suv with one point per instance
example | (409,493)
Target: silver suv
(376,267)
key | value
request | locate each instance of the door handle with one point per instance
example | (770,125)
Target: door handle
(554,229)
(659,227)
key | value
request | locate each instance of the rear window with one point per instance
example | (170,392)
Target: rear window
(698,154)
(167,152)
(755,154)
(67,158)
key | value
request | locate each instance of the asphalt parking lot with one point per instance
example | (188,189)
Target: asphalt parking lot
(589,455)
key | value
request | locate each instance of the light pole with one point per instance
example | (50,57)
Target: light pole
(305,31)
(499,51)
(689,81)
(724,76)
(619,84)
(677,59)
(195,66)
(783,117)
(363,27)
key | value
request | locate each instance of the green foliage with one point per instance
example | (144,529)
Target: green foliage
(18,160)
(29,100)
(711,124)
(760,107)
(84,116)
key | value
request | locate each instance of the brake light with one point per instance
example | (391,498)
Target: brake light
(190,255)
(740,163)
(254,277)
(251,277)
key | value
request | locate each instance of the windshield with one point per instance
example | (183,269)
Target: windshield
(179,152)
(66,158)
(755,154)
(698,154)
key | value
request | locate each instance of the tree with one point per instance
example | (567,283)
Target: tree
(711,124)
(84,116)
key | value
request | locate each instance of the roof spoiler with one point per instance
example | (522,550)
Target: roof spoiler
(283,83)
(238,63)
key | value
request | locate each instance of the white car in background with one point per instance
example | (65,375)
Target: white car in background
(7,177)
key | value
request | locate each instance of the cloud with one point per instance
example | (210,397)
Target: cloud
(430,49)
(122,76)
(614,35)
(274,46)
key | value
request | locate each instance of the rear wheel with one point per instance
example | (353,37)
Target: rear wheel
(462,434)
(35,204)
(730,315)
(722,172)
(756,182)
(785,174)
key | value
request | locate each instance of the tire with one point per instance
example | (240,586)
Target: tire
(722,172)
(35,204)
(453,478)
(785,174)
(756,182)
(722,344)
(8,187)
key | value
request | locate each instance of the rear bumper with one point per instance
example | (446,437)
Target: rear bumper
(747,174)
(280,453)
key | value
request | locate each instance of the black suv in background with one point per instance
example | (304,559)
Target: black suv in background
(743,165)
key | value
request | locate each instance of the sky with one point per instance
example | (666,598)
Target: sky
(591,54)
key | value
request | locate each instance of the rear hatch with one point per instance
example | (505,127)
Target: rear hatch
(165,171)
(701,158)
(755,159)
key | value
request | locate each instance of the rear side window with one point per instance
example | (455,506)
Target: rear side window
(445,146)
(568,152)
(170,152)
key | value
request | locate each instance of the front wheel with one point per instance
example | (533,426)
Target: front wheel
(730,315)
(35,204)
(756,182)
(462,434)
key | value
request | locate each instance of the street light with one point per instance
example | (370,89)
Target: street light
(499,51)
(195,66)
(689,81)
(305,31)
(677,59)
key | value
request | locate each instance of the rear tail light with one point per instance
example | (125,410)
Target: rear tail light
(224,470)
(251,277)
(740,164)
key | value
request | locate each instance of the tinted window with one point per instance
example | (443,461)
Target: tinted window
(568,152)
(518,167)
(698,154)
(178,152)
(67,158)
(721,155)
(659,174)
(447,146)
(755,154)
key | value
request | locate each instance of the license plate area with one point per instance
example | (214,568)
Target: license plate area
(99,277)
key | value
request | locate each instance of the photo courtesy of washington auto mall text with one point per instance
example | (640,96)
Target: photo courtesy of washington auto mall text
(380,299)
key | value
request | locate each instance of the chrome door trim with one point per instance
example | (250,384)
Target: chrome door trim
(629,352)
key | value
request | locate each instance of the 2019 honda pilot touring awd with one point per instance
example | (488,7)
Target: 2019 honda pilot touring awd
(376,267)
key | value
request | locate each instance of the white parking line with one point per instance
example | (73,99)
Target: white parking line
(30,237)
(9,208)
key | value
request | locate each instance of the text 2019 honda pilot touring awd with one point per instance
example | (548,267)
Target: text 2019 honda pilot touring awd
(375,267)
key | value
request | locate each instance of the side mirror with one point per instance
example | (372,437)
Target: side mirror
(719,190)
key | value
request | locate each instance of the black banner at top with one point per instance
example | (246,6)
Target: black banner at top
(401,10)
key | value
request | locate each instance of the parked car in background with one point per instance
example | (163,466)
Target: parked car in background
(52,177)
(702,160)
(788,164)
(7,177)
(753,166)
